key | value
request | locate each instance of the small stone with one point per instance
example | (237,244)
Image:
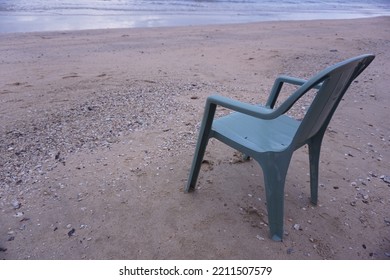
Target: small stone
(259,237)
(385,178)
(353,203)
(71,232)
(387,254)
(353,184)
(387,221)
(68,226)
(18,214)
(297,226)
(16,204)
(372,174)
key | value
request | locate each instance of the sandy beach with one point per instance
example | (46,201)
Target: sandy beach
(98,130)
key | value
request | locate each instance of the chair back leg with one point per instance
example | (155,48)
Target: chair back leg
(314,161)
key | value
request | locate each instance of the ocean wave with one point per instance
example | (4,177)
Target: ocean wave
(42,15)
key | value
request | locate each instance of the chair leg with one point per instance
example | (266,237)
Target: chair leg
(314,159)
(275,171)
(204,135)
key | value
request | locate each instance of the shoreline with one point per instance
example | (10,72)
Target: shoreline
(177,23)
(99,127)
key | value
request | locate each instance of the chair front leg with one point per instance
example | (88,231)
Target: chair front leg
(275,168)
(204,135)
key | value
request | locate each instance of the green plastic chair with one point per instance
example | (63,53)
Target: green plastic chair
(270,137)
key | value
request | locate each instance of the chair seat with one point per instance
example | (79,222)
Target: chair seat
(258,135)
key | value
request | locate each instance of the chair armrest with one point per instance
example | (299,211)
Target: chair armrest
(245,108)
(278,84)
(290,80)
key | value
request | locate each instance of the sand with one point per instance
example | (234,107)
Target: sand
(98,130)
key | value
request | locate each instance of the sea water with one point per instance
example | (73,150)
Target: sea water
(50,15)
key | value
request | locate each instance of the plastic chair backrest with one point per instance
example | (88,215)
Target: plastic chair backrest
(335,82)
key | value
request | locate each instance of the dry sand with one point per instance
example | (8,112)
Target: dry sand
(98,130)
